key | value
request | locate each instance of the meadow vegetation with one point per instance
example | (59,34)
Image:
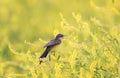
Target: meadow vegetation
(90,49)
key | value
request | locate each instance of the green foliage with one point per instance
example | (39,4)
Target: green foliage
(90,48)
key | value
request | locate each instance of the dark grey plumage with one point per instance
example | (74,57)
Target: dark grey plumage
(51,44)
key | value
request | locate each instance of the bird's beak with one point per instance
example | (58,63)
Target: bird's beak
(64,36)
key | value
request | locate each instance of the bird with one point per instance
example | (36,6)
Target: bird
(50,45)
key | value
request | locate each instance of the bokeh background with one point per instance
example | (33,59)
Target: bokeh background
(90,50)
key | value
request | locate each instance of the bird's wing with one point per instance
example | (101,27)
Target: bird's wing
(52,43)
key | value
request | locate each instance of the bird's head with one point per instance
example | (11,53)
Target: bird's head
(59,36)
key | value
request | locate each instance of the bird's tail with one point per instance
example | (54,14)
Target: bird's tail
(45,54)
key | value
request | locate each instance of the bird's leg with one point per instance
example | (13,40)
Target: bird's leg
(54,53)
(49,58)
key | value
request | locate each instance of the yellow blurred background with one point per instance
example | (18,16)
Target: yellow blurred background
(25,23)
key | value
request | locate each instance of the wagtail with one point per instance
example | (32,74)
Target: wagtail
(50,45)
